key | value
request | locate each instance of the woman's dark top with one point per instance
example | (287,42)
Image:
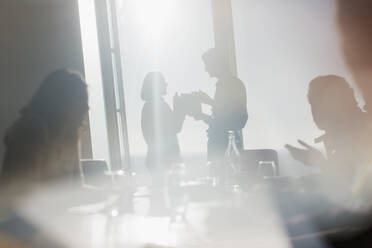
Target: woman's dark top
(160,126)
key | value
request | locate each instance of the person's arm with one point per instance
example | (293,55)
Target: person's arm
(204,98)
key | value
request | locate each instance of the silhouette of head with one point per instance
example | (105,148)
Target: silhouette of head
(61,100)
(355,21)
(154,86)
(332,102)
(215,63)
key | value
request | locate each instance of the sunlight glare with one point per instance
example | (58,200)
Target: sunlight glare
(155,17)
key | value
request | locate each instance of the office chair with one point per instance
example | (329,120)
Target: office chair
(261,160)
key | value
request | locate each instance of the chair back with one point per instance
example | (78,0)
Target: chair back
(252,160)
(94,173)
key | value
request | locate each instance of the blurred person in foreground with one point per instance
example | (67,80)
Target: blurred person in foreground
(41,167)
(43,144)
(355,26)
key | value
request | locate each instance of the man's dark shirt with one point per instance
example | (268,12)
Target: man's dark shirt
(229,112)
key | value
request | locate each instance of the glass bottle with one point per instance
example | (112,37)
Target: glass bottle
(232,166)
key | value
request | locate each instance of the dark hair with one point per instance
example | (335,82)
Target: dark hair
(59,93)
(151,84)
(332,89)
(215,57)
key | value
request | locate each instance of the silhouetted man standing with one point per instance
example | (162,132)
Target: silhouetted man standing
(229,105)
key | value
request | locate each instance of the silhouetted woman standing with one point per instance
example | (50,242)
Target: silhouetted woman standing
(160,124)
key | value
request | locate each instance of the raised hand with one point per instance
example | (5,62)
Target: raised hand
(307,156)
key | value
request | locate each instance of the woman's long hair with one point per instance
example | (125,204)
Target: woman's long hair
(61,101)
(153,86)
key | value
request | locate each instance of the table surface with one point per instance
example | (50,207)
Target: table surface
(195,214)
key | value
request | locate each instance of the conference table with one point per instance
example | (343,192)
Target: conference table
(194,213)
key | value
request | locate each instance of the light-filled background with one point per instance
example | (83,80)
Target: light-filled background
(280,47)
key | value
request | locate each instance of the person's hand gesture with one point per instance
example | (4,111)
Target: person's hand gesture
(307,156)
(203,97)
